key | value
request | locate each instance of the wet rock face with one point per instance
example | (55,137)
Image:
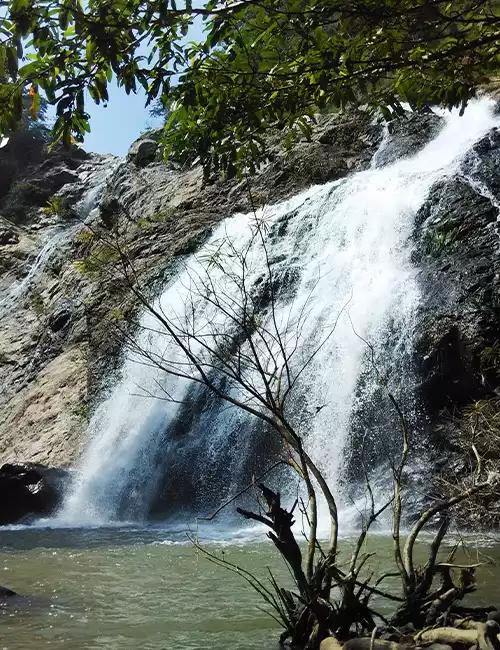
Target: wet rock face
(57,350)
(168,211)
(407,136)
(30,490)
(457,250)
(58,346)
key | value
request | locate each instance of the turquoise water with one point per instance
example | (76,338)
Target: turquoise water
(129,589)
(149,589)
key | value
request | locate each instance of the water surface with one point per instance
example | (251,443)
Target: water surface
(128,589)
(131,588)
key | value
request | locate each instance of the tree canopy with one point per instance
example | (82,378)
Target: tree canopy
(261,64)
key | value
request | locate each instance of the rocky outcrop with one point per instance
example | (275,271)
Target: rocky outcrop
(143,152)
(5,594)
(405,137)
(31,174)
(24,149)
(458,253)
(8,236)
(29,491)
(43,347)
(458,338)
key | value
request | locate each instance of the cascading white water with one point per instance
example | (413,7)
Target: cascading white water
(94,179)
(344,249)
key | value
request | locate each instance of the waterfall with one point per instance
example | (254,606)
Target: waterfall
(342,256)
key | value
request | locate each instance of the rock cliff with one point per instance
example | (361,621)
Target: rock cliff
(56,354)
(458,344)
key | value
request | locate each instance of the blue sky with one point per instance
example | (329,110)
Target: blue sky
(115,128)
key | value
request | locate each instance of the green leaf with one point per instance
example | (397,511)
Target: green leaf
(12,62)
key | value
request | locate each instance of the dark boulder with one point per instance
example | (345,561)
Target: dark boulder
(5,593)
(13,604)
(30,490)
(8,236)
(9,599)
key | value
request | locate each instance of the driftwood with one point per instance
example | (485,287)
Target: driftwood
(424,607)
(449,635)
(483,637)
(468,624)
(431,597)
(476,636)
(366,643)
(330,643)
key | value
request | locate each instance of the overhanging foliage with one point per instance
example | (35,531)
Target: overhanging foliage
(262,63)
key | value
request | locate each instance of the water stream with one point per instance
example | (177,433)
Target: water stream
(62,234)
(124,589)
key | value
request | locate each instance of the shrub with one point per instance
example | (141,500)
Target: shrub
(57,206)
